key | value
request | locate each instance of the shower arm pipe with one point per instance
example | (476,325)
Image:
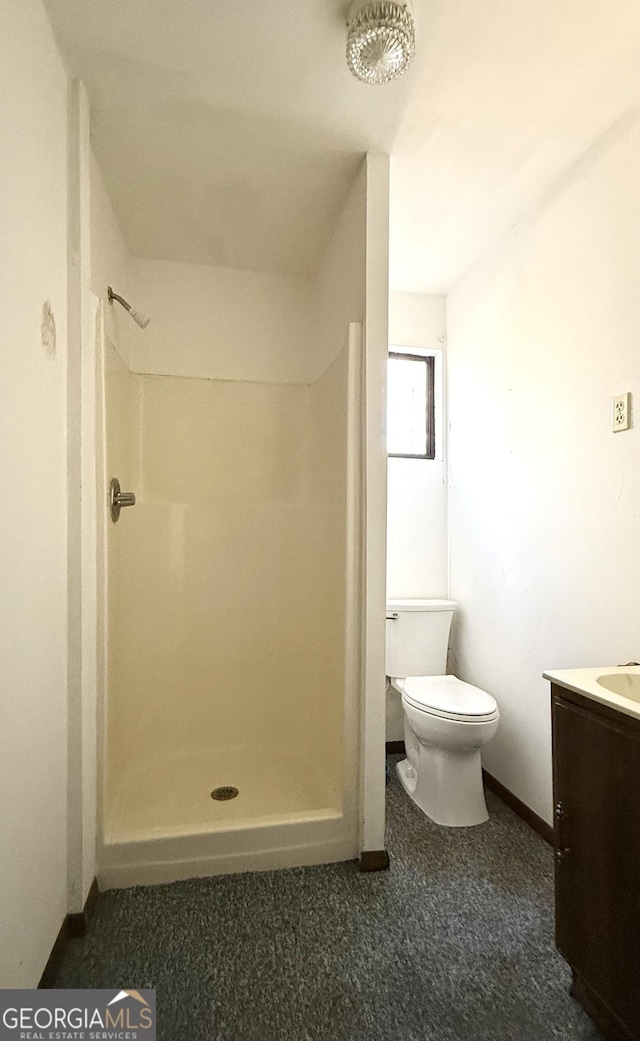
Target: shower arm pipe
(139,318)
(116,296)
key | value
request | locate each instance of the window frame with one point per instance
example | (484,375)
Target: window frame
(430,368)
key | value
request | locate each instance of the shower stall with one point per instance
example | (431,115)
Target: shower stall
(241,720)
(228,623)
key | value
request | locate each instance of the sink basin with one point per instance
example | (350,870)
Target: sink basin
(626,684)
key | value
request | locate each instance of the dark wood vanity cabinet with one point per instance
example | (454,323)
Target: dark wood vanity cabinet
(596,783)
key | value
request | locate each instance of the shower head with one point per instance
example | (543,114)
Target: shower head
(141,319)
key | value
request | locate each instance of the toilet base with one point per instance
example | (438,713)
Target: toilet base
(447,785)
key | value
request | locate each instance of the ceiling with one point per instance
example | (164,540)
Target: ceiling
(229,131)
(507,96)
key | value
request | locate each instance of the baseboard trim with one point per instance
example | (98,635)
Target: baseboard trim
(79,923)
(47,980)
(394,747)
(74,925)
(544,830)
(374,860)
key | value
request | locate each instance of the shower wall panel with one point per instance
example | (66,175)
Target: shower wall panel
(226,581)
(123,395)
(324,628)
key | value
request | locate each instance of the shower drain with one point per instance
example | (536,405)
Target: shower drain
(224,793)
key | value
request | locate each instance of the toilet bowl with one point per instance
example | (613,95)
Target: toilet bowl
(446,721)
(446,724)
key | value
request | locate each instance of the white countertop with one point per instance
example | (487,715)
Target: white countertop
(585,681)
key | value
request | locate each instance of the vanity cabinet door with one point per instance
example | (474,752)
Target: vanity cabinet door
(597,837)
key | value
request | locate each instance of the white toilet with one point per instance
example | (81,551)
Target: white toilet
(446,721)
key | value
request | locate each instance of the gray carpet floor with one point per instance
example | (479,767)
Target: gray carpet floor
(454,943)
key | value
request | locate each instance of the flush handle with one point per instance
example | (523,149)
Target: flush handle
(118,499)
(392,617)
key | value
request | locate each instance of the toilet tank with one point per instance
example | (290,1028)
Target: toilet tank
(418,637)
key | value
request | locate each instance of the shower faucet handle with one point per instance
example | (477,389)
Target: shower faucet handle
(118,499)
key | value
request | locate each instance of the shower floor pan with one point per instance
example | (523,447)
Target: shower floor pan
(161,823)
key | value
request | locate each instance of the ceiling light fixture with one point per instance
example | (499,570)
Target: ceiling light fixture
(381,40)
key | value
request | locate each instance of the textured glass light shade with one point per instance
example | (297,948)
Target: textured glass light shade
(381,41)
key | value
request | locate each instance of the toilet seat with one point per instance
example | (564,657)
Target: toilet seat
(449,698)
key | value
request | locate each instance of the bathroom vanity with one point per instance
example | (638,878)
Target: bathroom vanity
(596,786)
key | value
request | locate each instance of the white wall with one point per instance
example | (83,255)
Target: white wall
(417,558)
(375,433)
(340,282)
(226,324)
(85,513)
(33,515)
(220,323)
(111,265)
(417,548)
(545,499)
(340,296)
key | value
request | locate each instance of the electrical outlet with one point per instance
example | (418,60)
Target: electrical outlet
(621,412)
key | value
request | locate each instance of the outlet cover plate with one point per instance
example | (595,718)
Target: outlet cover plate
(621,417)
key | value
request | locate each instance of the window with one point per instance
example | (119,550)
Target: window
(410,406)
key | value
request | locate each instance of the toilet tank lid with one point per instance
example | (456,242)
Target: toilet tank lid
(421,605)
